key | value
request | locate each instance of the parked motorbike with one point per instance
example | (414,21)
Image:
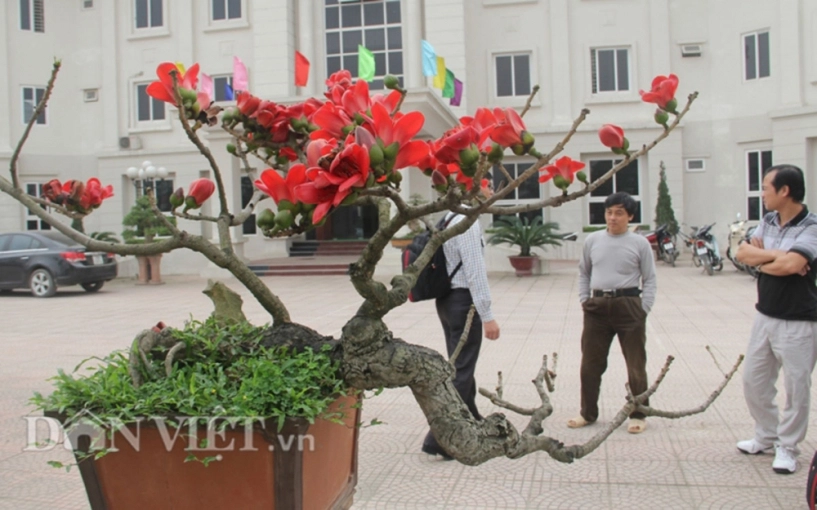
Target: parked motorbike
(665,244)
(737,234)
(706,249)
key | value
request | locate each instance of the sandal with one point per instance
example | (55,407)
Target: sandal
(636,426)
(578,422)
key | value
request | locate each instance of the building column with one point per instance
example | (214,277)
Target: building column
(560,90)
(412,45)
(791,93)
(272,74)
(308,44)
(659,41)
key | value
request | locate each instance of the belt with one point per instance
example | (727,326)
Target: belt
(631,291)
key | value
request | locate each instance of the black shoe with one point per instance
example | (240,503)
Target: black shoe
(435,450)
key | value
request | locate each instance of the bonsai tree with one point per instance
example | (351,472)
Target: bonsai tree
(664,215)
(350,148)
(525,234)
(144,222)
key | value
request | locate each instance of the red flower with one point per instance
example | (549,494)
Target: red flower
(455,140)
(94,194)
(483,122)
(331,120)
(400,130)
(280,188)
(52,190)
(200,190)
(509,128)
(663,91)
(564,167)
(337,84)
(163,89)
(247,103)
(612,136)
(328,188)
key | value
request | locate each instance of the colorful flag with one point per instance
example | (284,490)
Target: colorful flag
(439,78)
(457,99)
(301,70)
(429,59)
(365,63)
(448,87)
(228,91)
(239,75)
(206,85)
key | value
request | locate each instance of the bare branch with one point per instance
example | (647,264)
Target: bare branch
(15,180)
(529,101)
(464,338)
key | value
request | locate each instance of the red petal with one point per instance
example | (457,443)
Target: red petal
(276,187)
(163,72)
(411,154)
(354,181)
(320,212)
(191,77)
(409,125)
(159,91)
(505,136)
(383,125)
(515,120)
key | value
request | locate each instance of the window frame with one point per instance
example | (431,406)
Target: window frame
(229,78)
(163,205)
(149,29)
(600,199)
(495,72)
(29,216)
(32,7)
(44,114)
(227,19)
(756,34)
(152,123)
(513,199)
(376,83)
(593,63)
(755,194)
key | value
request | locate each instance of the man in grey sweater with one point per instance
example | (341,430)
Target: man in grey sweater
(616,267)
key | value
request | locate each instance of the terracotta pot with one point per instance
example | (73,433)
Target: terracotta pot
(301,467)
(400,243)
(525,266)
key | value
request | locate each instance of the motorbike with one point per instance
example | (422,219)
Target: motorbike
(665,244)
(737,234)
(706,250)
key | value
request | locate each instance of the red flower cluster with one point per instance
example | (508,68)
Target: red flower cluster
(77,196)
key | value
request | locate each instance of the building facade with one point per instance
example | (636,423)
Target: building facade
(756,74)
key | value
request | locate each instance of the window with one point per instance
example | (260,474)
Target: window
(512,75)
(148,108)
(376,24)
(756,55)
(31,98)
(163,187)
(220,87)
(610,69)
(528,192)
(695,165)
(87,4)
(32,15)
(247,190)
(149,13)
(32,221)
(24,242)
(226,9)
(626,179)
(756,163)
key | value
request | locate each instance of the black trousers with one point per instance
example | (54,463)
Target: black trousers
(605,318)
(453,312)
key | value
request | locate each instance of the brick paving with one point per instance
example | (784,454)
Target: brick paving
(686,463)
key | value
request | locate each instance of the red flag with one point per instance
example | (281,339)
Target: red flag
(301,70)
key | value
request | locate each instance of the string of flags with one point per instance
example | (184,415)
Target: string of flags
(433,66)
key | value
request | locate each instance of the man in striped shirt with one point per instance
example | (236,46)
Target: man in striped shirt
(469,286)
(784,334)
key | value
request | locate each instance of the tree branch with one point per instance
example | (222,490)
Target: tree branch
(533,93)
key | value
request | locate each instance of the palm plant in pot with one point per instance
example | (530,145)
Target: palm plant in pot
(526,235)
(284,378)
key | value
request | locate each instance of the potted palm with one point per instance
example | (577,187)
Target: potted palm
(348,149)
(526,235)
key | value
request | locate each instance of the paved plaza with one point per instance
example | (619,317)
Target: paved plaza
(686,463)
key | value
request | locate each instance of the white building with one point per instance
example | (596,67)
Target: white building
(754,63)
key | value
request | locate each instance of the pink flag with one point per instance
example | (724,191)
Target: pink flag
(206,85)
(239,75)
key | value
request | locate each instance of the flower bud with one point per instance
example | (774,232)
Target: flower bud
(231,148)
(496,154)
(265,219)
(671,106)
(469,156)
(390,151)
(285,205)
(396,177)
(177,198)
(527,140)
(283,219)
(438,179)
(582,177)
(391,82)
(375,155)
(468,171)
(661,117)
(200,191)
(561,182)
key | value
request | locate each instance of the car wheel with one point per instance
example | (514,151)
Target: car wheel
(41,283)
(93,286)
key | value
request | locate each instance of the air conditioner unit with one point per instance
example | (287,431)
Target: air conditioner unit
(695,165)
(691,50)
(130,142)
(90,95)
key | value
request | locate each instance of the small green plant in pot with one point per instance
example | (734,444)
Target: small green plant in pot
(145,225)
(526,235)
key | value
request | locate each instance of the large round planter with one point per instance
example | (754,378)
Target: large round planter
(524,266)
(401,244)
(300,467)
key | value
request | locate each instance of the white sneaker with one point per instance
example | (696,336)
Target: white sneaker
(752,447)
(785,462)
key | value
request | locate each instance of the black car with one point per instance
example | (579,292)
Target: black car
(44,260)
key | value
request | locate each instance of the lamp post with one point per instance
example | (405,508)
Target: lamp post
(144,180)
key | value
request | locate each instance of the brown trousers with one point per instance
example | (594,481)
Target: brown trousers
(605,318)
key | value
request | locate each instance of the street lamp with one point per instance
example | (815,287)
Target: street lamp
(143,177)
